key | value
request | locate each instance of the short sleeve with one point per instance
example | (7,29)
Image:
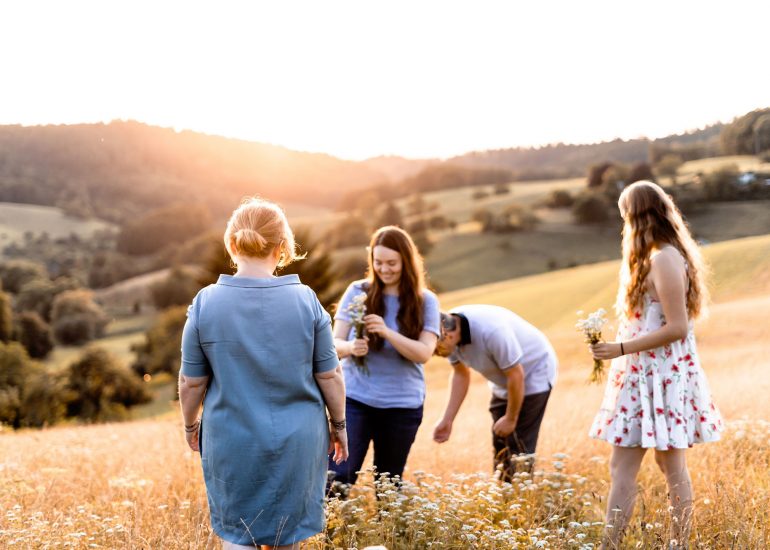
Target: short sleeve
(504,348)
(324,352)
(353,290)
(431,314)
(194,362)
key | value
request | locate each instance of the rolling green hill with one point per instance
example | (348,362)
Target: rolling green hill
(740,268)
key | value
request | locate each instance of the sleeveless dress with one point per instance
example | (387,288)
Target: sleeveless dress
(657,398)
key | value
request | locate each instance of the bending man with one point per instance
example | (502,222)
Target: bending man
(520,365)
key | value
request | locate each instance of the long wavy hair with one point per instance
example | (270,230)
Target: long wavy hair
(651,221)
(410,287)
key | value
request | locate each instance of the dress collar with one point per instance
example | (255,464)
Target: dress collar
(253,282)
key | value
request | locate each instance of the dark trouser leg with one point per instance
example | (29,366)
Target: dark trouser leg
(523,440)
(393,434)
(360,420)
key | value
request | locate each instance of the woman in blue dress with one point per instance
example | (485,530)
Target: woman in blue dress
(258,356)
(385,394)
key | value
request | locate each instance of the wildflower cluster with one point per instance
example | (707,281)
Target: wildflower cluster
(591,327)
(539,510)
(357,311)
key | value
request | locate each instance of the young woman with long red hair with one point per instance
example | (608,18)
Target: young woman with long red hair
(385,396)
(657,396)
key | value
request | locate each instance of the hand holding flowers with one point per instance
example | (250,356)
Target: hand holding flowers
(357,311)
(592,330)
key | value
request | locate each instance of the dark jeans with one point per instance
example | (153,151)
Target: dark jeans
(392,431)
(523,440)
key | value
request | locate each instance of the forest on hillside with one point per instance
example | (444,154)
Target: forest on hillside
(118,170)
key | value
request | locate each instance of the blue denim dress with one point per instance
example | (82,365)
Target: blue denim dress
(264,435)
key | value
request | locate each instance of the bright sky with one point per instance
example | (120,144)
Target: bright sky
(359,79)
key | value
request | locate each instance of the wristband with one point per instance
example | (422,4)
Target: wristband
(338,425)
(622,352)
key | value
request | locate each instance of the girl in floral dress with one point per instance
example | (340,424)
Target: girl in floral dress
(657,395)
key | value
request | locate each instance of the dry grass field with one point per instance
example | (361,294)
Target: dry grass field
(134,485)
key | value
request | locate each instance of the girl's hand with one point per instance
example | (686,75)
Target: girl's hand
(605,350)
(376,325)
(359,347)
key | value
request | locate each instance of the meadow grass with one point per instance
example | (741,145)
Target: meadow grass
(17,219)
(706,166)
(458,204)
(135,485)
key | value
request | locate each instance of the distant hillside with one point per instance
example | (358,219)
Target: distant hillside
(123,169)
(118,170)
(564,161)
(397,168)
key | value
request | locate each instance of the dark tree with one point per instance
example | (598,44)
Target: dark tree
(38,295)
(389,215)
(34,334)
(596,174)
(591,208)
(316,270)
(29,394)
(6,317)
(161,349)
(175,289)
(560,198)
(102,389)
(76,318)
(748,134)
(640,171)
(14,273)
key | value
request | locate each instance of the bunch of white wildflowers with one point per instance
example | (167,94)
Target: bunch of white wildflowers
(357,311)
(591,327)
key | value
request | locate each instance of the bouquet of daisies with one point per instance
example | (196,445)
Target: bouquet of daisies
(357,311)
(591,327)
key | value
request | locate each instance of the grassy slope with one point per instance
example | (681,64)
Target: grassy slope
(16,219)
(739,266)
(743,162)
(458,204)
(470,258)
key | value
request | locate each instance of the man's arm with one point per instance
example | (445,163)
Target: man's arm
(515,386)
(461,379)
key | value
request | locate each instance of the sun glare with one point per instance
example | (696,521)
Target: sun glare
(359,80)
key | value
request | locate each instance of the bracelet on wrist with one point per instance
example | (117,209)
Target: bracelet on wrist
(192,427)
(622,351)
(338,425)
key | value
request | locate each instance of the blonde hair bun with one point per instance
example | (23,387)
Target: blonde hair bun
(249,242)
(256,228)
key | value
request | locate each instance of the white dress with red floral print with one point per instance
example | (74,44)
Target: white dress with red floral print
(658,398)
